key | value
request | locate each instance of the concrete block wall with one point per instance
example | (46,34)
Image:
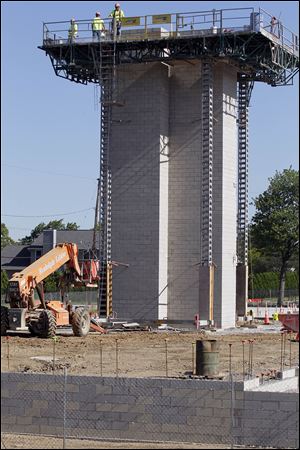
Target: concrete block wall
(148,409)
(137,227)
(155,159)
(225,194)
(184,190)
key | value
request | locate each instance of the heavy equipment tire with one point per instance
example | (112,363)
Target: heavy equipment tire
(81,322)
(4,320)
(45,327)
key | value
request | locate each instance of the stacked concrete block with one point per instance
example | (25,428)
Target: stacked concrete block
(204,411)
(156,162)
(139,231)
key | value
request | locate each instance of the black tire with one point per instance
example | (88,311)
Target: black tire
(4,320)
(81,322)
(45,327)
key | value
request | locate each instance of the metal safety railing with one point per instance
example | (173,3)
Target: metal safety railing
(266,22)
(174,25)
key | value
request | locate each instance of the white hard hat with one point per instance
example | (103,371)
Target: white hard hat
(117,5)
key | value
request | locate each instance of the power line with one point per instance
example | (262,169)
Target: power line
(48,172)
(50,215)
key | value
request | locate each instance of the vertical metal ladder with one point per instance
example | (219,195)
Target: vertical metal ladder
(244,93)
(207,163)
(106,63)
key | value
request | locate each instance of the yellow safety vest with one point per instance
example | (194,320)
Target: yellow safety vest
(73,30)
(97,24)
(117,14)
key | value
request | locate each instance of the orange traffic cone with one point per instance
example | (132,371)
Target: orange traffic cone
(266,320)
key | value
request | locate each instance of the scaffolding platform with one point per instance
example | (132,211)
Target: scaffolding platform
(240,36)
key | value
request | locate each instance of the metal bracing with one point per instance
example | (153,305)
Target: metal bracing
(244,93)
(207,163)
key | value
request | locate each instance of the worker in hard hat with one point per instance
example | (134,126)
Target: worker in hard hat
(117,15)
(98,27)
(73,30)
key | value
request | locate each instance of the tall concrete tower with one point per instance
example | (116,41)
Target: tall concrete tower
(174,155)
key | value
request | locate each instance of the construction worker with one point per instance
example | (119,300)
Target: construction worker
(73,30)
(273,24)
(117,14)
(98,27)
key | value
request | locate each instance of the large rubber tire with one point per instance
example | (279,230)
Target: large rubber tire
(45,327)
(81,322)
(4,320)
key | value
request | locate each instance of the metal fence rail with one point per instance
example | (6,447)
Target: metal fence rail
(177,25)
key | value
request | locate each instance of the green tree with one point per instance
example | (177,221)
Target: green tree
(52,225)
(4,281)
(5,238)
(275,224)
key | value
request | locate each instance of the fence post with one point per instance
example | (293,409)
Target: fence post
(232,405)
(64,407)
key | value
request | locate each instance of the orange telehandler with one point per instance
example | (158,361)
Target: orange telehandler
(42,317)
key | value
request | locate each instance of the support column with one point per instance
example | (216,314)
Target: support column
(139,162)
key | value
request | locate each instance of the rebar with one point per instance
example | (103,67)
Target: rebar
(251,359)
(243,343)
(54,351)
(117,355)
(230,356)
(166,351)
(281,352)
(8,355)
(284,347)
(193,357)
(290,350)
(101,358)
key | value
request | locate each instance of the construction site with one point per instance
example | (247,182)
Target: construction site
(167,355)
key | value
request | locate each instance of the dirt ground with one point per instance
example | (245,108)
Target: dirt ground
(13,441)
(143,354)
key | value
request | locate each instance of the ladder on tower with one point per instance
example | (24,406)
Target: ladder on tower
(105,61)
(207,163)
(244,94)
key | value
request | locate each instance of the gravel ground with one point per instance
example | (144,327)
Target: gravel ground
(143,354)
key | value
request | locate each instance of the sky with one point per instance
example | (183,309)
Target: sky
(50,126)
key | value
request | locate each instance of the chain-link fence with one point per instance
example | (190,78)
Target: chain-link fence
(143,387)
(61,411)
